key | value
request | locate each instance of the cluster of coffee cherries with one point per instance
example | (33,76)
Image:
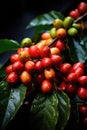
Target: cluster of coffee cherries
(40,65)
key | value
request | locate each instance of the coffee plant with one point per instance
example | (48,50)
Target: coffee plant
(43,84)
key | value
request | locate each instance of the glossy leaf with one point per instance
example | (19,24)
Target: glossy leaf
(14,102)
(78,48)
(8,45)
(4,97)
(44,112)
(64,110)
(45,19)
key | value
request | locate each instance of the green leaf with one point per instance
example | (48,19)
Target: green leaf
(64,110)
(4,97)
(45,19)
(78,48)
(15,100)
(40,29)
(44,112)
(8,45)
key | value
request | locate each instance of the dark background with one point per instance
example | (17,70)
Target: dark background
(16,14)
(14,17)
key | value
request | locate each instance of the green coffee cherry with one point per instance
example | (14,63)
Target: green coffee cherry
(67,23)
(58,23)
(53,32)
(76,25)
(72,31)
(26,42)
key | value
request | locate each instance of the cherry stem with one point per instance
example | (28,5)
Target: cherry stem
(80,18)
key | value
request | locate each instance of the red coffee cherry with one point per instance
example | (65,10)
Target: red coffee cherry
(82,93)
(83,109)
(74,13)
(71,78)
(14,58)
(65,68)
(18,67)
(46,86)
(71,88)
(83,80)
(12,78)
(9,69)
(82,7)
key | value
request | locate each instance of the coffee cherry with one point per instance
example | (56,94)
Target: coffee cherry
(39,65)
(12,78)
(61,33)
(47,62)
(45,36)
(24,55)
(79,72)
(65,68)
(72,31)
(29,66)
(82,7)
(26,42)
(53,32)
(58,23)
(83,109)
(55,51)
(34,51)
(82,93)
(77,65)
(83,80)
(14,58)
(61,45)
(56,59)
(71,78)
(74,13)
(45,51)
(18,67)
(9,69)
(25,77)
(71,89)
(68,22)
(49,73)
(46,86)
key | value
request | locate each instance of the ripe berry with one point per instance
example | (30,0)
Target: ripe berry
(82,7)
(14,58)
(61,33)
(83,109)
(49,73)
(46,86)
(38,65)
(74,13)
(83,80)
(45,35)
(45,51)
(47,62)
(56,59)
(29,66)
(9,69)
(60,44)
(25,77)
(65,68)
(12,78)
(18,67)
(71,78)
(82,93)
(71,88)
(34,51)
